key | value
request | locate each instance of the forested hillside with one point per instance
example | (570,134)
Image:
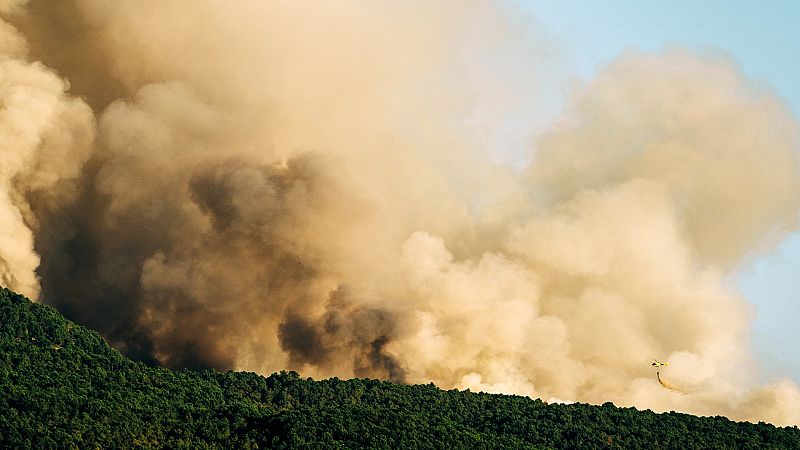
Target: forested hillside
(62,386)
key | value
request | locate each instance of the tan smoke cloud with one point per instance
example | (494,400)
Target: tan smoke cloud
(301,185)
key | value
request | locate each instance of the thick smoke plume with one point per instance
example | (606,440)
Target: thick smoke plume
(309,185)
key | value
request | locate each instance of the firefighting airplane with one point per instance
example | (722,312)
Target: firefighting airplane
(657,363)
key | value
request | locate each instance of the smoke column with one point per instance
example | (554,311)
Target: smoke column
(300,185)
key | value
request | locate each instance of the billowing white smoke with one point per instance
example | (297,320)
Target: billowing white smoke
(294,185)
(45,137)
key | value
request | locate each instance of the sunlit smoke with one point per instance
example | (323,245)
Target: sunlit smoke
(299,185)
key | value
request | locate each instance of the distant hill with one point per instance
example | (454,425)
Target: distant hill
(62,386)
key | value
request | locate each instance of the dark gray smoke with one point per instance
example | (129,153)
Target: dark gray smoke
(344,329)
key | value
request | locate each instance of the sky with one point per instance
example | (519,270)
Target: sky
(764,40)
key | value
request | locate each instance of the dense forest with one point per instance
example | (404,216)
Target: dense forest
(62,386)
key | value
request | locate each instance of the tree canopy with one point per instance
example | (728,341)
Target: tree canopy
(62,386)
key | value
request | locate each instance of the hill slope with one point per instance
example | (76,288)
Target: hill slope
(62,386)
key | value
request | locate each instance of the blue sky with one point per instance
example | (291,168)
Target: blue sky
(763,37)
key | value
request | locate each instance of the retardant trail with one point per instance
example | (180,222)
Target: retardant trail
(667,385)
